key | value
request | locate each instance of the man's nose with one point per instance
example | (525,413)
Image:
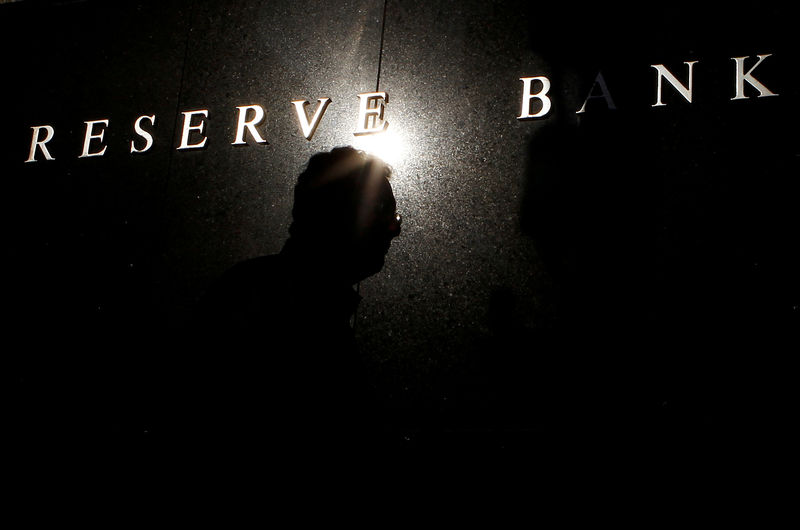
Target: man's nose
(394,225)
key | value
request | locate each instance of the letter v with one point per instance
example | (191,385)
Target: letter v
(302,117)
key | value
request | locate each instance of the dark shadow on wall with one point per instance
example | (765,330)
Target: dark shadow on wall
(668,232)
(82,237)
(271,375)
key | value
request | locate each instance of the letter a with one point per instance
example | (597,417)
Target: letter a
(599,82)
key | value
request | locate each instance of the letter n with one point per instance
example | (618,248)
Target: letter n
(663,73)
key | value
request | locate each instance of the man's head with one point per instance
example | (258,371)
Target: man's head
(345,212)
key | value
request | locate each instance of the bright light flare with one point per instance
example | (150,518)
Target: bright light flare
(389,146)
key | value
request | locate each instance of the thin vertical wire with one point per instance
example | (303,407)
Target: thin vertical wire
(380,55)
(168,179)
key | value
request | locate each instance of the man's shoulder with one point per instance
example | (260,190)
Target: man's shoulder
(245,280)
(254,269)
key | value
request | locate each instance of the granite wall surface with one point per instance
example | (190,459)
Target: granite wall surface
(626,269)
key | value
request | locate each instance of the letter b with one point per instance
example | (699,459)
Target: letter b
(527,96)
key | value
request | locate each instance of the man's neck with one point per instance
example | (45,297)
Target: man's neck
(319,264)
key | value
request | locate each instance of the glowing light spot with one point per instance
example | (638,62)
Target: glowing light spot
(389,146)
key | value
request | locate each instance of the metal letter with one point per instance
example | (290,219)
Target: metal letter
(310,128)
(373,114)
(666,74)
(251,124)
(188,127)
(527,96)
(89,136)
(599,81)
(144,134)
(741,77)
(35,142)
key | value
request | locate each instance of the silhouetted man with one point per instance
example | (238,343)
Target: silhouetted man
(281,364)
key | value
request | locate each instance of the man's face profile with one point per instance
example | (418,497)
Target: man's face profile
(345,210)
(378,224)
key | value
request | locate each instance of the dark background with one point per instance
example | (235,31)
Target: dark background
(617,278)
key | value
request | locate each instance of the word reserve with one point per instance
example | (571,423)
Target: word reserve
(370,121)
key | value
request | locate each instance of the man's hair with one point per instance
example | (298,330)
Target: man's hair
(331,190)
